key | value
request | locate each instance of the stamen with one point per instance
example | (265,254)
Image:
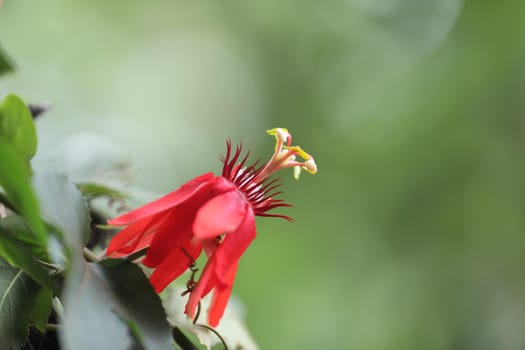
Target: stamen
(310,166)
(251,180)
(281,135)
(285,156)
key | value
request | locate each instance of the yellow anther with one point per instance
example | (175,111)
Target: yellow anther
(281,134)
(310,166)
(285,156)
(296,172)
(299,151)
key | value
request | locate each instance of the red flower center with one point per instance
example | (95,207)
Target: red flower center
(210,213)
(253,182)
(259,194)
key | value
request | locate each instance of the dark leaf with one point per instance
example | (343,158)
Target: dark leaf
(20,248)
(113,299)
(99,234)
(6,65)
(22,302)
(89,320)
(39,313)
(136,301)
(5,201)
(183,340)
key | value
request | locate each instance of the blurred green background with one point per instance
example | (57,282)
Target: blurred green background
(412,234)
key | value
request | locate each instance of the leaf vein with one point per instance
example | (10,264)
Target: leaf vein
(8,289)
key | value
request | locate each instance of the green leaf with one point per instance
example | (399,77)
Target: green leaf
(137,302)
(22,302)
(114,300)
(6,65)
(20,248)
(63,206)
(89,321)
(13,179)
(17,127)
(5,201)
(41,309)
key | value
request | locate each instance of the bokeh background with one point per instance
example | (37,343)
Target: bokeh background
(412,234)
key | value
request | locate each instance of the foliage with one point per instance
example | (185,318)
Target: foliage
(114,300)
(44,229)
(23,302)
(412,235)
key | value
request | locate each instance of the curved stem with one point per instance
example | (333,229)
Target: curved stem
(89,255)
(52,327)
(211,329)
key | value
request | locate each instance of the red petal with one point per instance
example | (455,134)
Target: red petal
(234,245)
(216,273)
(174,265)
(134,237)
(221,297)
(206,281)
(168,201)
(174,233)
(221,214)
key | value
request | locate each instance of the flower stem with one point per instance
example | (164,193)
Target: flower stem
(55,267)
(89,255)
(52,327)
(205,326)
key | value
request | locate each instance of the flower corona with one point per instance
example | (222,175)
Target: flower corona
(211,213)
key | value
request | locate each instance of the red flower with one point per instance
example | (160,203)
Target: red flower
(214,213)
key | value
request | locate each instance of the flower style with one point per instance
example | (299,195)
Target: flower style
(211,213)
